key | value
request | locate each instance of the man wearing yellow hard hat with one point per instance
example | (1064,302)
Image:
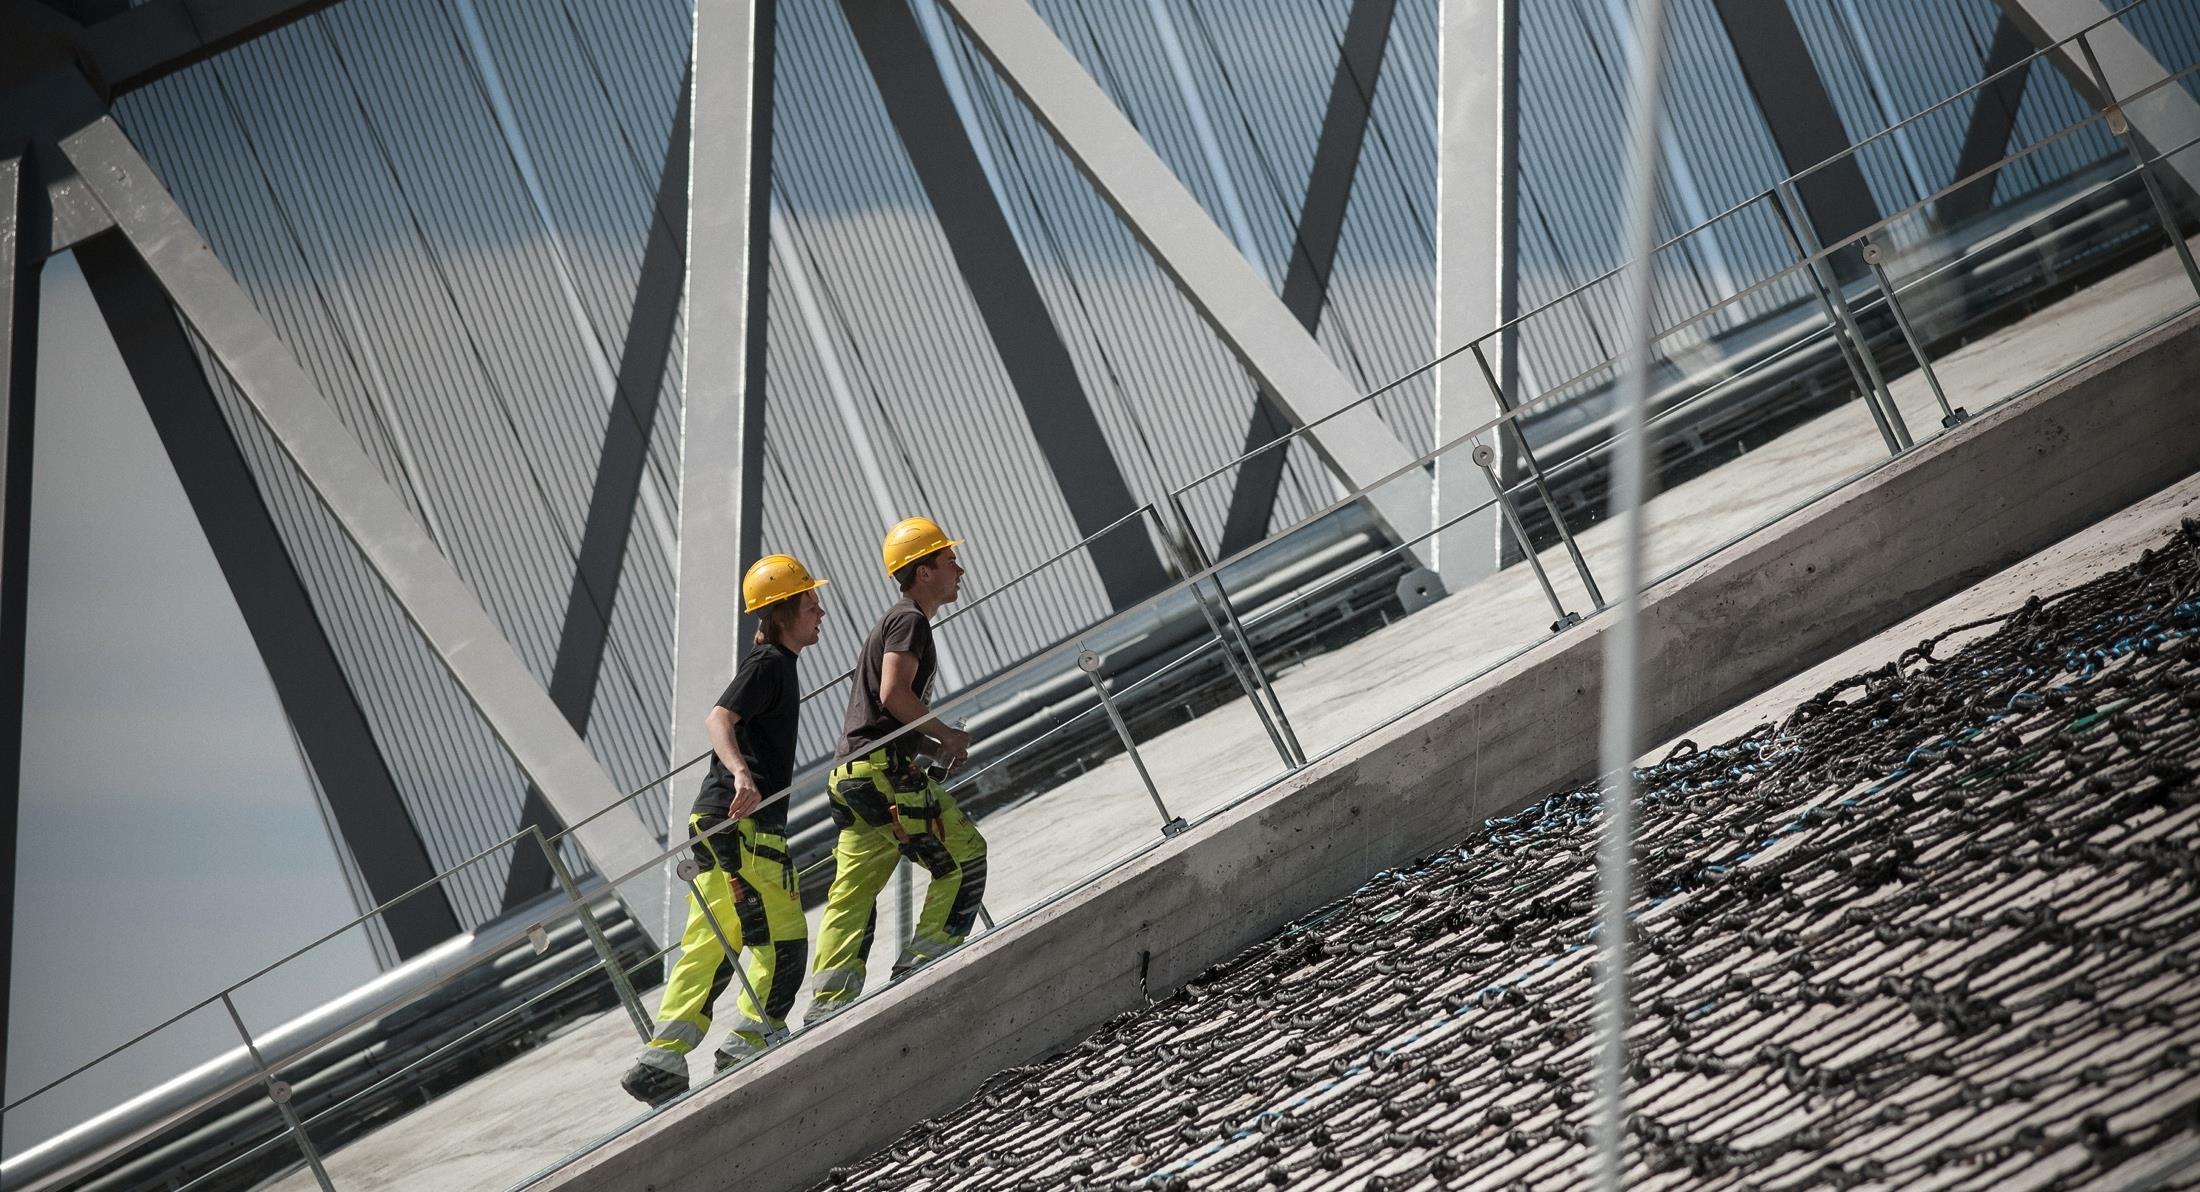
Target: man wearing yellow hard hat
(748,875)
(883,799)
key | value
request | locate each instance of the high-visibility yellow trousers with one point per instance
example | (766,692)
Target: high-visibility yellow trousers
(749,887)
(867,803)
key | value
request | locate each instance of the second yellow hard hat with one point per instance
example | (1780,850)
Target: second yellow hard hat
(911,539)
(774,578)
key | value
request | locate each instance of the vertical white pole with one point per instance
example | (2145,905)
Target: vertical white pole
(1623,641)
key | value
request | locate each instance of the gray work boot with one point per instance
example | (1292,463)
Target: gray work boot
(741,1047)
(653,1083)
(823,1012)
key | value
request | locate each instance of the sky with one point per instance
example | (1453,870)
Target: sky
(169,839)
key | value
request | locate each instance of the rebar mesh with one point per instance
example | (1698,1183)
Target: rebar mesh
(1937,928)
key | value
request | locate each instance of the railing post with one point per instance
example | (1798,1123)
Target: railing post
(1089,662)
(278,1091)
(617,971)
(1484,456)
(1542,485)
(905,887)
(1870,385)
(2120,124)
(1873,257)
(1250,676)
(687,871)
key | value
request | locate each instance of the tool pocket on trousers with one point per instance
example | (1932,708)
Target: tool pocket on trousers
(931,852)
(862,798)
(704,850)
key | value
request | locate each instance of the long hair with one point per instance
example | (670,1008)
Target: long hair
(776,618)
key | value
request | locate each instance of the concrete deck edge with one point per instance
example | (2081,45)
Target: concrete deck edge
(2015,479)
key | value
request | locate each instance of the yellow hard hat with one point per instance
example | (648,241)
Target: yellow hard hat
(774,578)
(912,539)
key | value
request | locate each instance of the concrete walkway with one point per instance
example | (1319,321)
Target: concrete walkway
(530,1114)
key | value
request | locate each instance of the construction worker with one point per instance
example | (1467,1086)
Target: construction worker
(886,804)
(747,877)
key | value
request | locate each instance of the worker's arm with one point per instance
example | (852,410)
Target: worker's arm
(719,725)
(897,690)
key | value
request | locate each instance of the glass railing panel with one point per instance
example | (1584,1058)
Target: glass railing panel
(272,1001)
(1198,732)
(526,1031)
(1770,431)
(272,1155)
(1055,791)
(1348,625)
(1993,311)
(1219,514)
(1749,418)
(1001,619)
(122,1113)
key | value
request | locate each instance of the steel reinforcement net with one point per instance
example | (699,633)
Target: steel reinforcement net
(1939,928)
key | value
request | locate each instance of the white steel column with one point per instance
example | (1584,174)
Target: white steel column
(721,410)
(465,638)
(1475,183)
(1203,262)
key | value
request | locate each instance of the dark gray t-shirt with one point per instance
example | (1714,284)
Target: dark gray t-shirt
(903,630)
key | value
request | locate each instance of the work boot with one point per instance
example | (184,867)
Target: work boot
(741,1047)
(648,1083)
(920,953)
(823,1012)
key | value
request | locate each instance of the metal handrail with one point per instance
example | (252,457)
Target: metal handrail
(1553,394)
(1211,570)
(1613,274)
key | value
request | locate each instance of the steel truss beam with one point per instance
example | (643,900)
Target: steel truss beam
(1791,96)
(23,224)
(331,727)
(722,384)
(159,38)
(2165,119)
(1993,118)
(620,469)
(999,281)
(1184,240)
(465,638)
(1313,252)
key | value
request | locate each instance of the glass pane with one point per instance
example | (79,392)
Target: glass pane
(532,1036)
(85,1124)
(2025,289)
(1216,525)
(1049,781)
(1756,406)
(1322,606)
(1202,741)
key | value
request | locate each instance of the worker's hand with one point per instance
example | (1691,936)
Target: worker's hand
(746,798)
(954,747)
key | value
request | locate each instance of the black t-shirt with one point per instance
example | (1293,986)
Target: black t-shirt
(903,630)
(768,701)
